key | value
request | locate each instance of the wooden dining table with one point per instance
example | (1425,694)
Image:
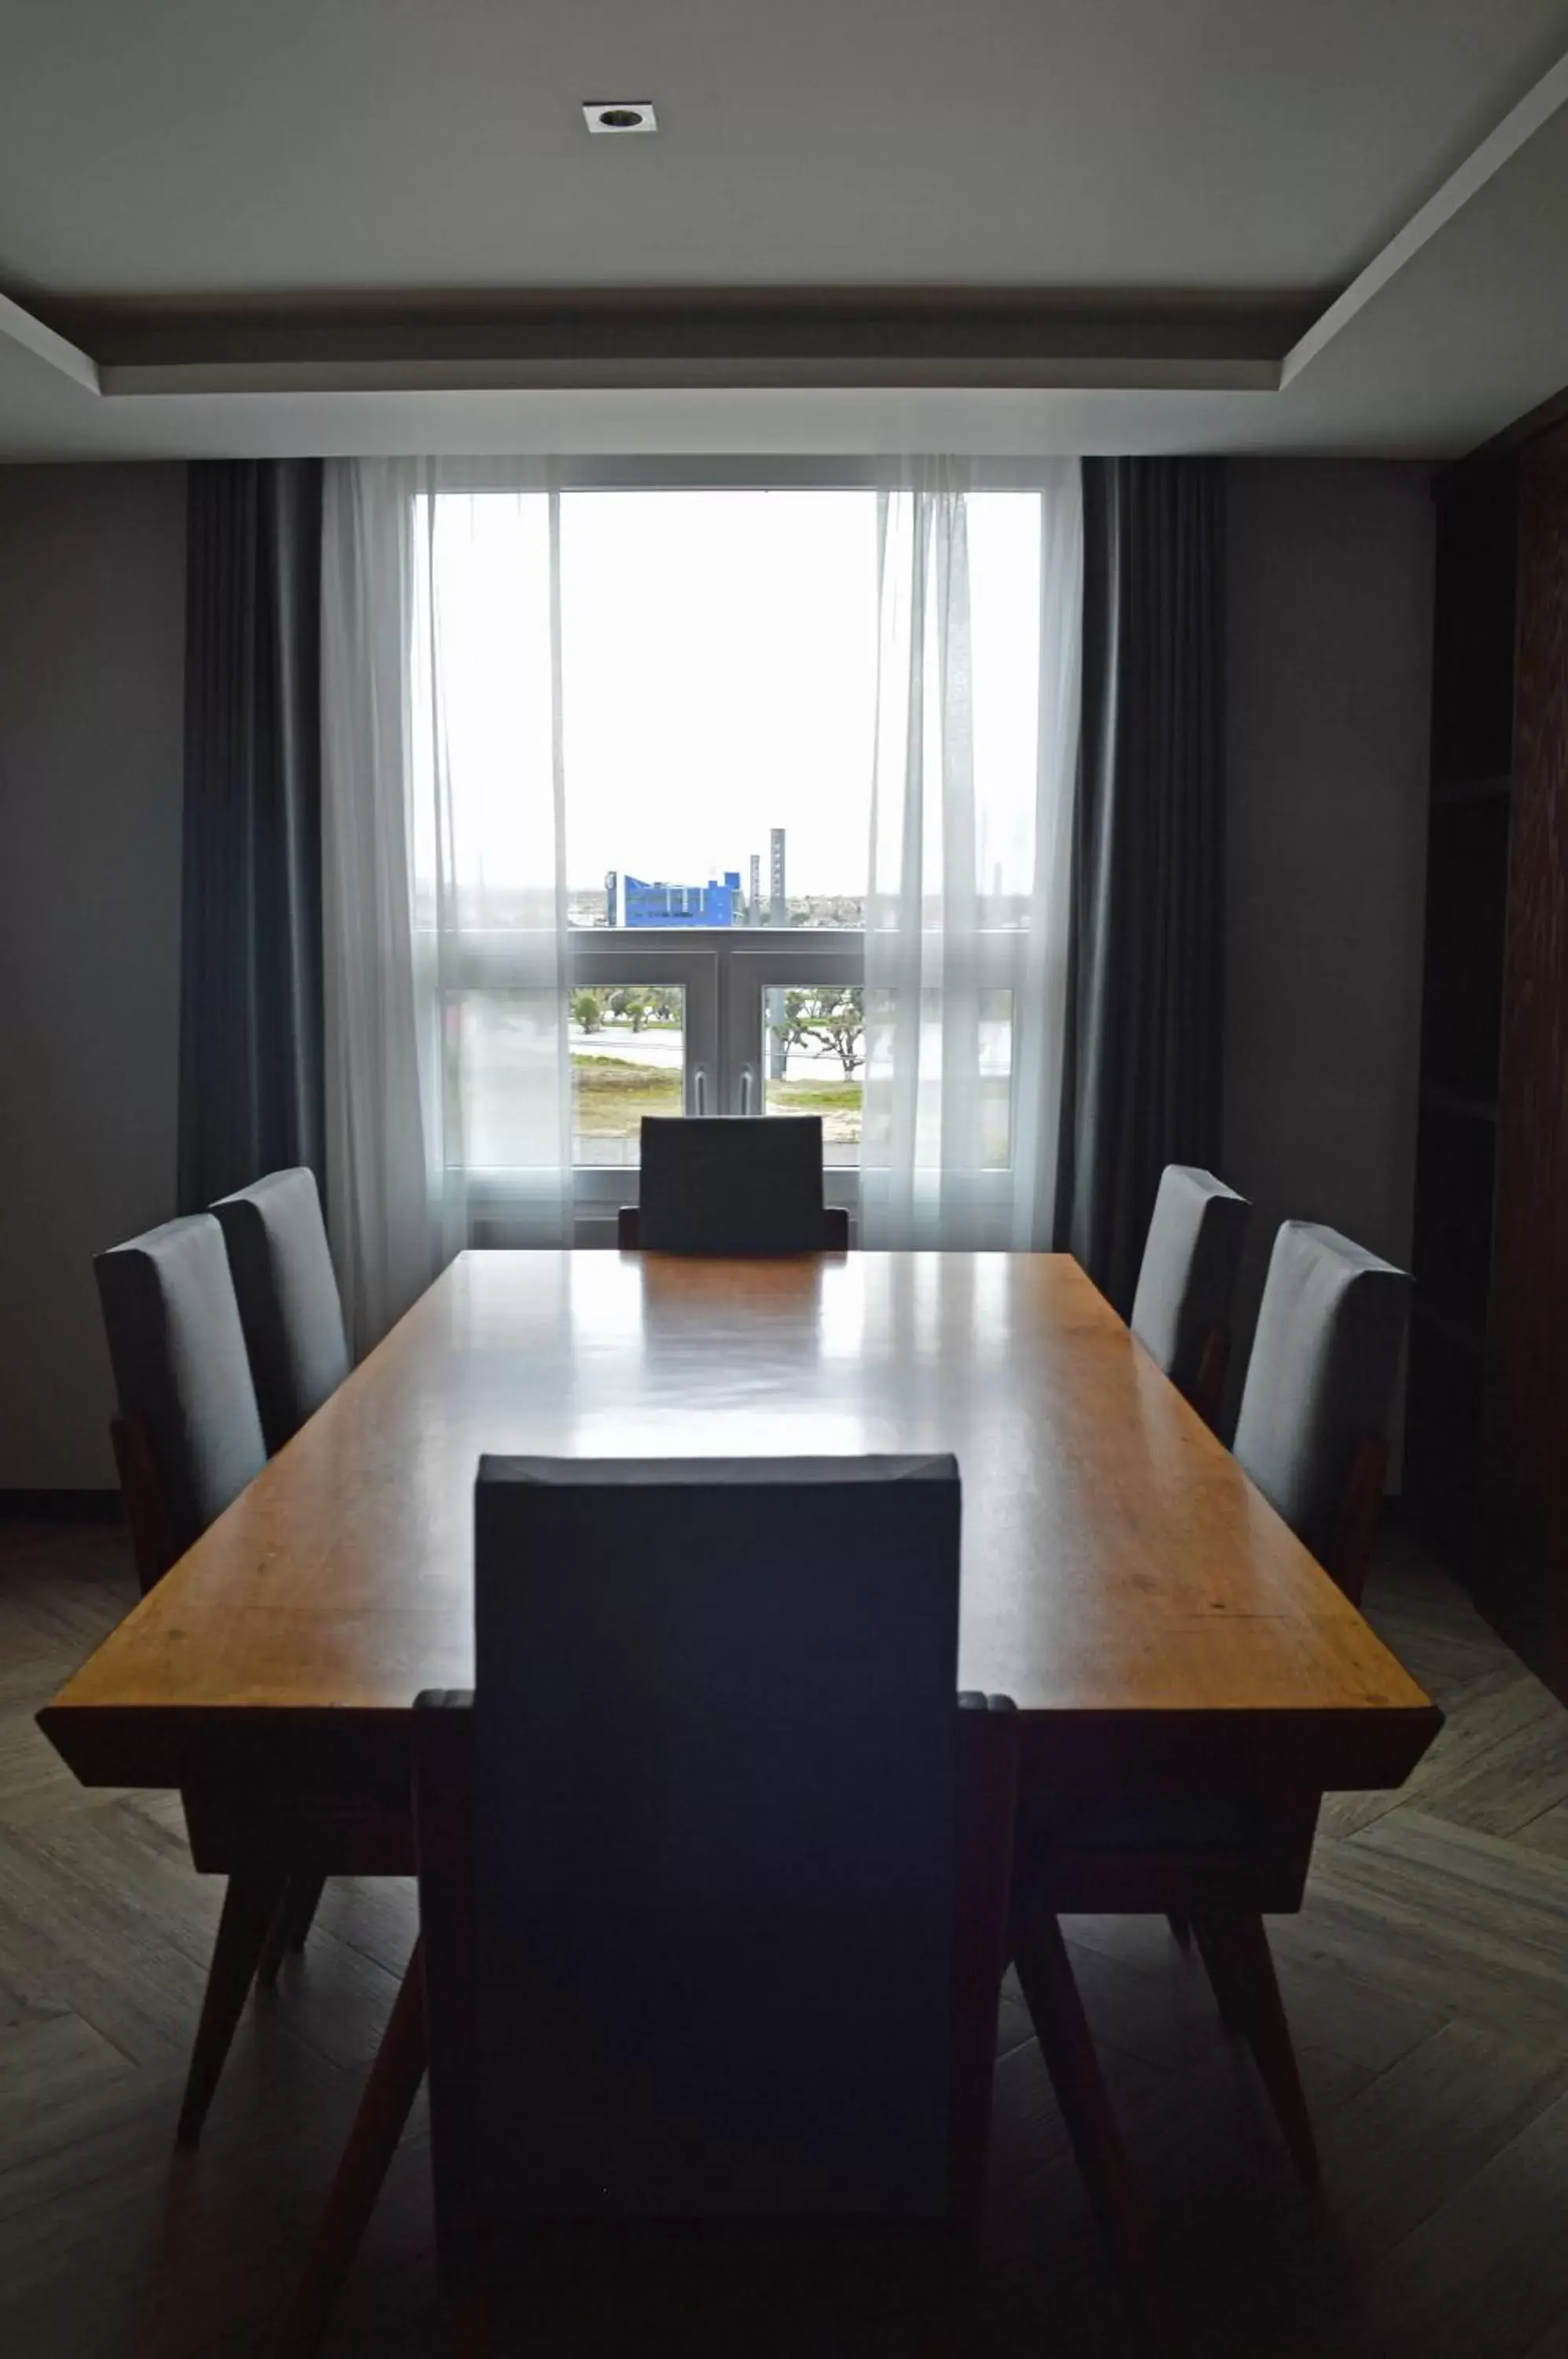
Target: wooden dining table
(1156,1625)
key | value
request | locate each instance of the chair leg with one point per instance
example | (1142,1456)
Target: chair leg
(383,2110)
(250,1905)
(1238,1940)
(1067,2045)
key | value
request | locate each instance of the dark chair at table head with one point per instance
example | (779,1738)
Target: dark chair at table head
(708,1924)
(732,1187)
(188,1437)
(1186,1283)
(1312,1428)
(288,1294)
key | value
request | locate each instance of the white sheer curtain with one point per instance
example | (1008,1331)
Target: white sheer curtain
(980,603)
(448,1085)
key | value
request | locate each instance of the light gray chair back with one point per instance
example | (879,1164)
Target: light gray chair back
(1321,1378)
(1186,1283)
(180,1367)
(288,1294)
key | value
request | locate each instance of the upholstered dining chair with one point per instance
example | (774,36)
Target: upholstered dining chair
(714,1874)
(1186,1282)
(188,1439)
(716,1186)
(1312,1432)
(291,1313)
(288,1294)
(1313,1436)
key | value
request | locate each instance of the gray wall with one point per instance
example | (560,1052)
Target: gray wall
(1329,651)
(91,666)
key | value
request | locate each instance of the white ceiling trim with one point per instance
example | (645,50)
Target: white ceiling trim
(1518,128)
(1067,372)
(19,327)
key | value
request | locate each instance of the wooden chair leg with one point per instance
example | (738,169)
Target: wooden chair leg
(1240,1943)
(1061,2028)
(383,2110)
(306,1900)
(250,1905)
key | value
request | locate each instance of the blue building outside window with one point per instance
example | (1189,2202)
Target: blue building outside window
(642,904)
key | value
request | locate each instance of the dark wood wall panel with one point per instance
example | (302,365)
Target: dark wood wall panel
(1468,865)
(1523,1570)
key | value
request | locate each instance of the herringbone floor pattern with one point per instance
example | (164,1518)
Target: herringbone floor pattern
(1427,1981)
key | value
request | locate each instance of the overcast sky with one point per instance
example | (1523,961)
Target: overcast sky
(719,658)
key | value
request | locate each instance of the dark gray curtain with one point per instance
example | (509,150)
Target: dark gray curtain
(250,1034)
(1146,972)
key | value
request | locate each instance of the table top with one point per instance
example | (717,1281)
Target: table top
(1122,1581)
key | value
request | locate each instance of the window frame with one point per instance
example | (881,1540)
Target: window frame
(716,966)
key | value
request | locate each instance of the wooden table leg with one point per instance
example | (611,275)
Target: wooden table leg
(277,1941)
(249,1906)
(1067,2045)
(383,2110)
(307,1900)
(1234,1944)
(1220,1965)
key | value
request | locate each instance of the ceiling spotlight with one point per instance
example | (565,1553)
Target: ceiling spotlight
(619,114)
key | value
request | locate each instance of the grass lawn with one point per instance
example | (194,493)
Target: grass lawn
(613,1096)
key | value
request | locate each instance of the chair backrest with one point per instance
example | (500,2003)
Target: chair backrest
(1320,1383)
(715,1870)
(182,1372)
(732,1187)
(288,1294)
(1186,1283)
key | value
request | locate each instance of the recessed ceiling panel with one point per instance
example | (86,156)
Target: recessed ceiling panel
(153,148)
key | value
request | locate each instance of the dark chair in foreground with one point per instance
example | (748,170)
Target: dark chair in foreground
(287,1295)
(186,1440)
(714,1874)
(717,1187)
(1186,1282)
(1313,1436)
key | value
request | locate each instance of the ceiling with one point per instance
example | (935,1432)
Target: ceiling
(1005,226)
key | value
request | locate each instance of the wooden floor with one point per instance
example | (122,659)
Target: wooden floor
(1427,1980)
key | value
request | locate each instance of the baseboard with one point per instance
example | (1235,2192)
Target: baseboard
(59,1506)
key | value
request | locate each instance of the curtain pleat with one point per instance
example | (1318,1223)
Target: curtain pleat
(449,1081)
(966,908)
(250,1034)
(1145,980)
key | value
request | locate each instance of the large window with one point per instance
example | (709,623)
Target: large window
(697,671)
